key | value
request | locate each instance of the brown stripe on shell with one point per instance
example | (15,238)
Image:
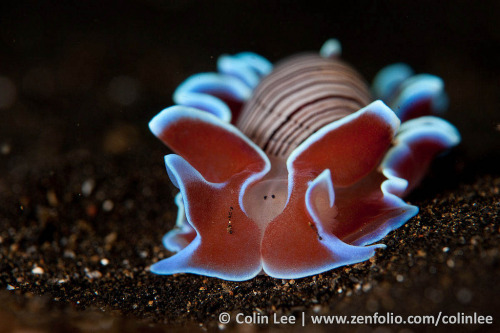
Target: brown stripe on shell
(301,95)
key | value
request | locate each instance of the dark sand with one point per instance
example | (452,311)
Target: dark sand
(85,199)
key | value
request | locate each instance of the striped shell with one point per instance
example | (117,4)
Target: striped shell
(301,95)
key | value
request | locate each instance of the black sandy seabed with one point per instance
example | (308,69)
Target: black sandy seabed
(85,199)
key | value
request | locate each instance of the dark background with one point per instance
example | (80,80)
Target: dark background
(62,56)
(79,81)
